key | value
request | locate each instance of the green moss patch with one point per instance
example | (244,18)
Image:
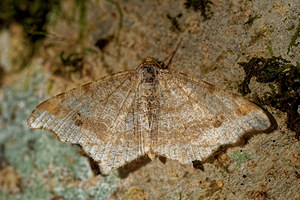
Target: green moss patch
(284,81)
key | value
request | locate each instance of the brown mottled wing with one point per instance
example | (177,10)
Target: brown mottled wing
(100,116)
(195,118)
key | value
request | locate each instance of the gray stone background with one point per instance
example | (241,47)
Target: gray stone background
(80,41)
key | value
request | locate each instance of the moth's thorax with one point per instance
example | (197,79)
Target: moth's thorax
(149,70)
(148,74)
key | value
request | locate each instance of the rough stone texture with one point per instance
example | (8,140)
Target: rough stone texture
(266,167)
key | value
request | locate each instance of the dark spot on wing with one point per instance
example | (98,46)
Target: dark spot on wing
(217,123)
(78,121)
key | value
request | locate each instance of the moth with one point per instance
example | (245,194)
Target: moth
(149,110)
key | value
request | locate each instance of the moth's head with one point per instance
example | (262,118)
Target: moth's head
(149,68)
(151,61)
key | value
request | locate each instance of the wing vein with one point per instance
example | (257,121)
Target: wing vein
(122,106)
(184,135)
(71,114)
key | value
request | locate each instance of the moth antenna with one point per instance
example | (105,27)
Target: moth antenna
(170,57)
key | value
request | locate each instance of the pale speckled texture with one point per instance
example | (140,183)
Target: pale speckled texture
(267,167)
